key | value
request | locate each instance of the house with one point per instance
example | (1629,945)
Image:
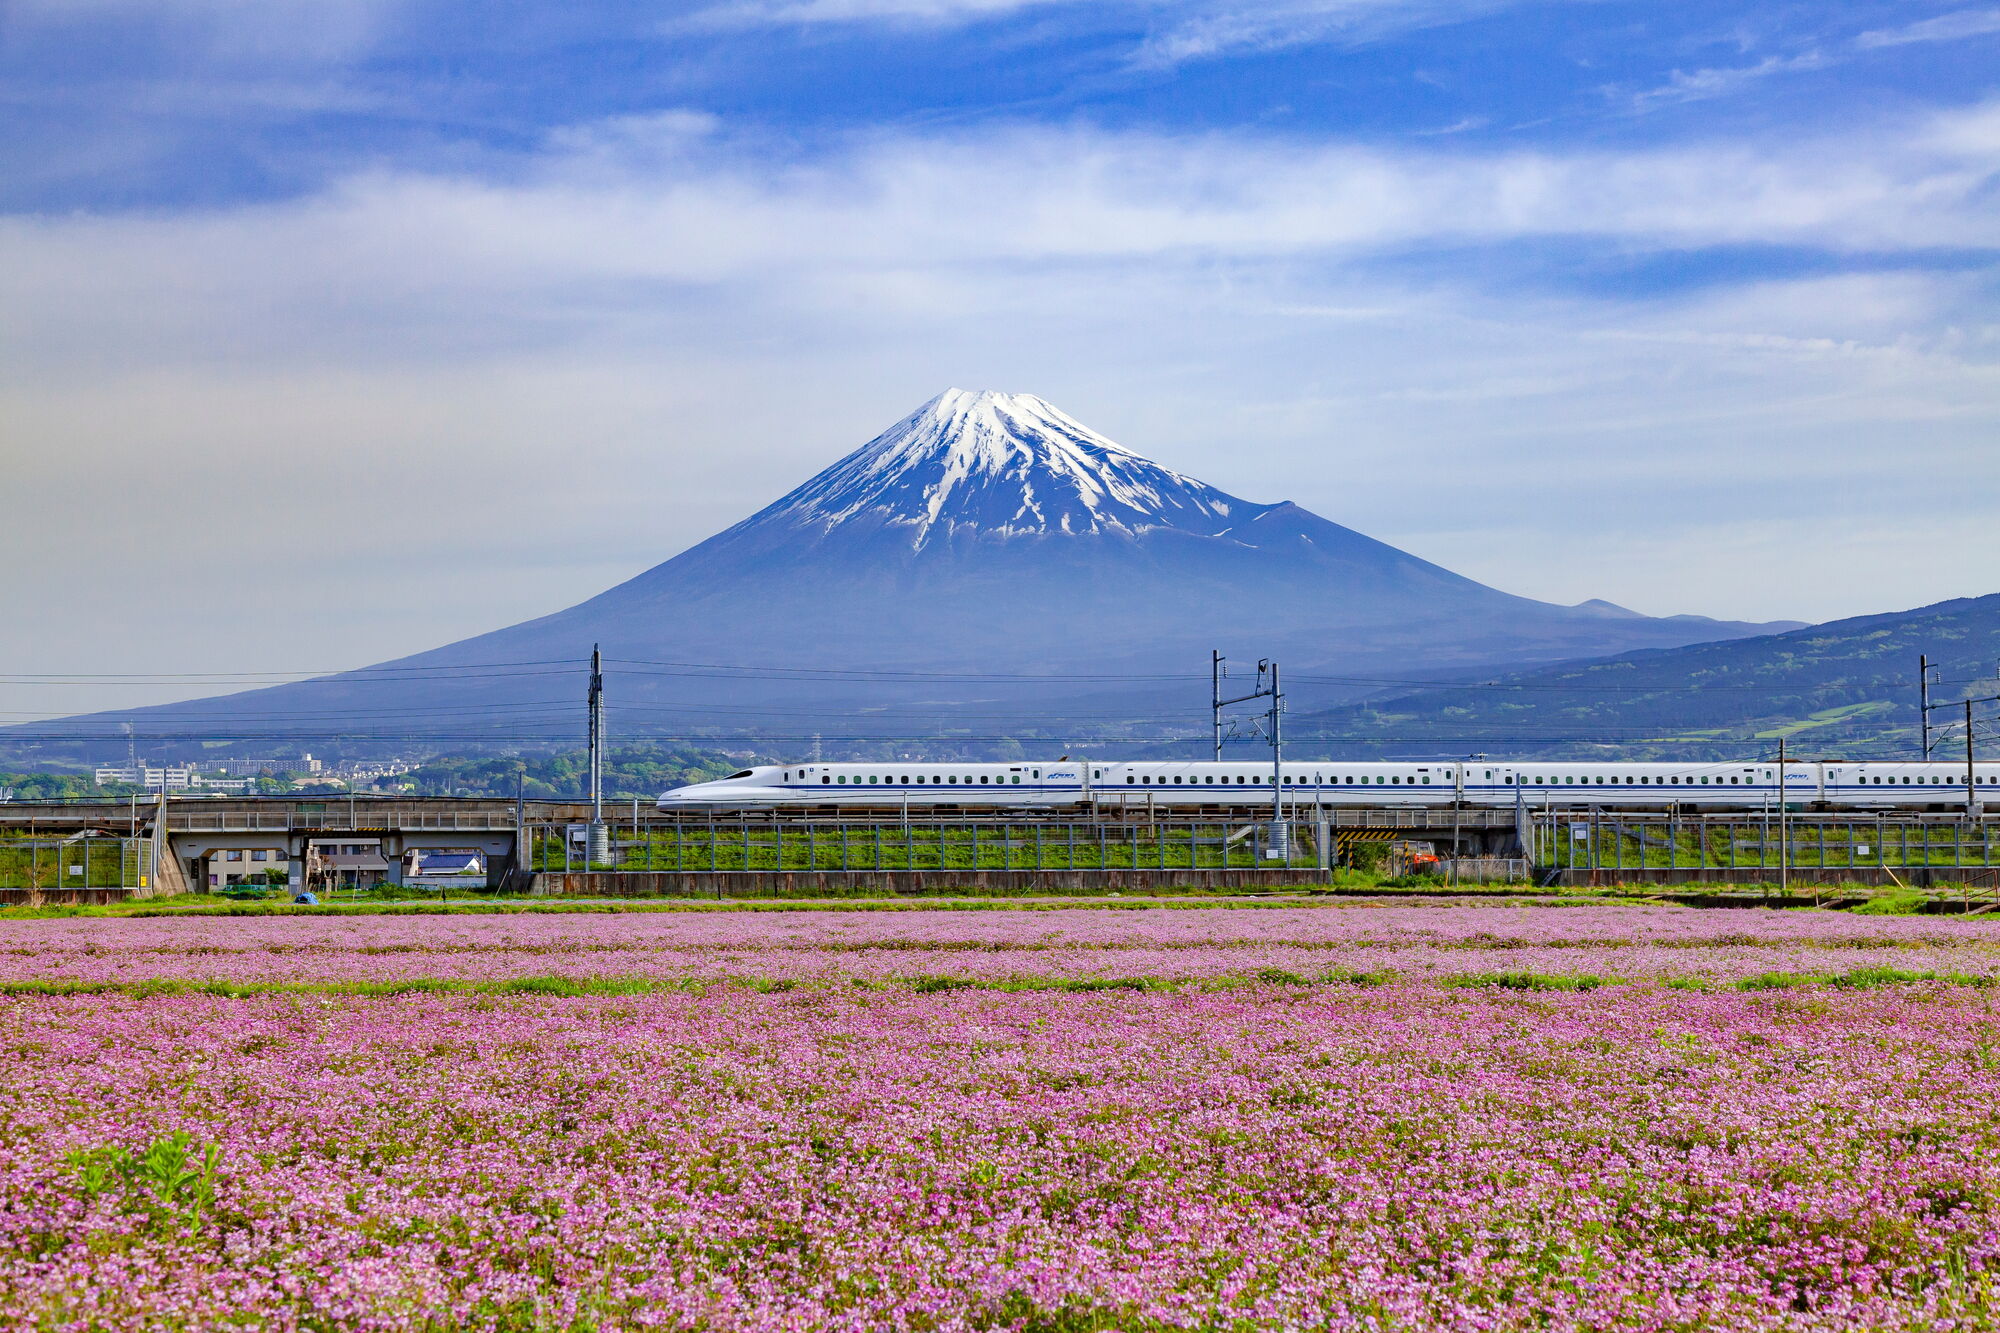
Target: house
(229,867)
(444,867)
(345,863)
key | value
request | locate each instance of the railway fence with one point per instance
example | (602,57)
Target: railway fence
(80,861)
(1763,841)
(835,846)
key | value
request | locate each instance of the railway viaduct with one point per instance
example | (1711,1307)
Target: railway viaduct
(376,833)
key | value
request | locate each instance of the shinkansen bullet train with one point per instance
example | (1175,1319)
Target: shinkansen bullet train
(1333,783)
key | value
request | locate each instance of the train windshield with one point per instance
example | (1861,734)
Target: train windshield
(746,773)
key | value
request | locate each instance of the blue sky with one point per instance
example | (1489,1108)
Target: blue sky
(1679,305)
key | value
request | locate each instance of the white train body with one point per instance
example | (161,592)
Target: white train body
(1860,786)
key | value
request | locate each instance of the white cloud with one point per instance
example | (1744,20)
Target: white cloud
(1208,31)
(1951,27)
(1702,84)
(236,32)
(1187,30)
(759,13)
(662,324)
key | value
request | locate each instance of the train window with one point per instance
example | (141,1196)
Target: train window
(982,780)
(1017,779)
(826,782)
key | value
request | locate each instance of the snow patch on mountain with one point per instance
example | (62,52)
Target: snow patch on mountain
(1007,464)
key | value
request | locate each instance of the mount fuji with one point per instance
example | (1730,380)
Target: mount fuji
(987,534)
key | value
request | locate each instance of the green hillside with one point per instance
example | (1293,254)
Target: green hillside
(1845,688)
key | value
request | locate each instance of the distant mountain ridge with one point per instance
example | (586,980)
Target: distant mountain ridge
(1847,688)
(988,533)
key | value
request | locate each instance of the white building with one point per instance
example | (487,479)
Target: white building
(145,775)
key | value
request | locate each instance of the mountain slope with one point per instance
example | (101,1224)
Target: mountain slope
(1848,687)
(989,528)
(985,533)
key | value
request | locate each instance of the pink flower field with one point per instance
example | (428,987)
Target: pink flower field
(1617,942)
(1314,1118)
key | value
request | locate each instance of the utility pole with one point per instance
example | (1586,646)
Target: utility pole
(597,849)
(161,847)
(1215,661)
(1924,699)
(1784,828)
(1971,776)
(1279,846)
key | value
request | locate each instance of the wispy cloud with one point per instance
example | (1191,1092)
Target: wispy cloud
(1722,81)
(1183,30)
(1702,84)
(1208,31)
(1951,27)
(759,13)
(216,31)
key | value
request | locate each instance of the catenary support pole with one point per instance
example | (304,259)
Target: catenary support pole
(597,847)
(1971,775)
(1215,661)
(1785,829)
(1924,702)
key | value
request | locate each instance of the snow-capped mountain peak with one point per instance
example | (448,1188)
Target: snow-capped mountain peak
(1005,464)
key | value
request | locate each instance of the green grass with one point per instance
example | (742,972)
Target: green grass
(560,987)
(1902,902)
(1827,717)
(1527,981)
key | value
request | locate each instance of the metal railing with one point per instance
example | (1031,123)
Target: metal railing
(73,863)
(1764,842)
(336,820)
(721,846)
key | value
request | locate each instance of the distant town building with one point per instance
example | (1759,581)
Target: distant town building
(145,775)
(345,864)
(231,866)
(239,765)
(369,772)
